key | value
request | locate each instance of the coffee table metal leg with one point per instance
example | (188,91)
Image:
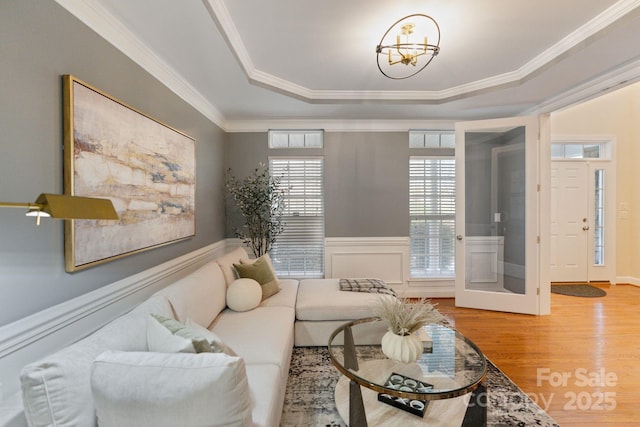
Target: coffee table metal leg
(357,416)
(350,359)
(476,414)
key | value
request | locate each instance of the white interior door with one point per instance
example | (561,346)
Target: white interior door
(497,251)
(569,222)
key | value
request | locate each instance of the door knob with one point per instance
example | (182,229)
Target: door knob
(585,228)
(459,237)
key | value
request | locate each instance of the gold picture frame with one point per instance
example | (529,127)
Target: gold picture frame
(145,167)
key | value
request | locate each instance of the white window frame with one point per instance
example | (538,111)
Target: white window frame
(299,251)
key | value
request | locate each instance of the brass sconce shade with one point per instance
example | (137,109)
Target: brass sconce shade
(408,46)
(67,207)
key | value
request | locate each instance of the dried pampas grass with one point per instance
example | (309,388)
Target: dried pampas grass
(405,316)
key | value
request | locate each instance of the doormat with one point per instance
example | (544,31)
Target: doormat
(587,291)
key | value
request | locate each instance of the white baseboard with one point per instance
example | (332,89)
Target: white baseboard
(439,291)
(47,331)
(628,279)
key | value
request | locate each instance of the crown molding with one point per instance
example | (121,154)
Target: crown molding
(221,17)
(339,125)
(616,79)
(101,21)
(591,29)
(588,31)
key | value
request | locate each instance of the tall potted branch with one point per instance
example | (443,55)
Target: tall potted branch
(260,201)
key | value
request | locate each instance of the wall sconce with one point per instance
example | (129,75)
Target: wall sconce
(66,207)
(406,42)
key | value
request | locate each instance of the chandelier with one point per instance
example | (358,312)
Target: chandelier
(404,49)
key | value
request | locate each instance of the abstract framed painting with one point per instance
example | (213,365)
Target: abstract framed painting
(145,167)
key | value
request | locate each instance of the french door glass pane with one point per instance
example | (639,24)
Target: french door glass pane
(495,194)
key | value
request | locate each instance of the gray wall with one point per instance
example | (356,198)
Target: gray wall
(39,42)
(366,179)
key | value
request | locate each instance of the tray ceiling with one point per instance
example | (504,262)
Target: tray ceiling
(251,65)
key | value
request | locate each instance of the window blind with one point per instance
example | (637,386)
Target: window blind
(299,250)
(432,216)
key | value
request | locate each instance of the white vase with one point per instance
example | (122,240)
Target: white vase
(401,348)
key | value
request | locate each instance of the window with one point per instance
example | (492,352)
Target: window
(598,232)
(299,250)
(578,151)
(432,216)
(296,138)
(432,139)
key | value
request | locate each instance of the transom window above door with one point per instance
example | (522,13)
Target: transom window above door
(579,150)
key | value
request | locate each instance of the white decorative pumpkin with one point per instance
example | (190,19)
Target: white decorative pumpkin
(401,348)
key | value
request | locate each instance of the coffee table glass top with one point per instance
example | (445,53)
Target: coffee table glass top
(450,366)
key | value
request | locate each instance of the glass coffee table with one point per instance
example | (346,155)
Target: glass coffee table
(445,386)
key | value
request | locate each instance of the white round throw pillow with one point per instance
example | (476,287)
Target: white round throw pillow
(244,295)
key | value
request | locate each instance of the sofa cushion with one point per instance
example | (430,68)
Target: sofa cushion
(322,299)
(315,333)
(286,297)
(262,272)
(244,295)
(159,389)
(266,408)
(56,390)
(226,263)
(199,296)
(262,335)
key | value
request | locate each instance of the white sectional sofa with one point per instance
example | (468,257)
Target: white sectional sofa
(112,375)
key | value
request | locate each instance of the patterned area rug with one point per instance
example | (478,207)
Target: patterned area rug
(309,398)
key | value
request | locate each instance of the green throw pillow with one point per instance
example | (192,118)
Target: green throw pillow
(199,342)
(261,272)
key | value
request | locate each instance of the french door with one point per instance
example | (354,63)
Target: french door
(497,205)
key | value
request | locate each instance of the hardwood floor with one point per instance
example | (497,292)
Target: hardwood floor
(581,364)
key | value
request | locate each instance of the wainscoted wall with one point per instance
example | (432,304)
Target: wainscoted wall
(385,258)
(42,333)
